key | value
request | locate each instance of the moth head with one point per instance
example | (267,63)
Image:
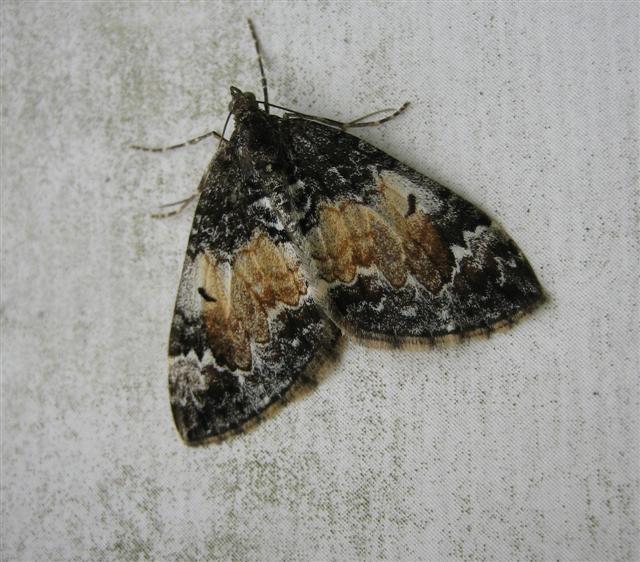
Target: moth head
(242,102)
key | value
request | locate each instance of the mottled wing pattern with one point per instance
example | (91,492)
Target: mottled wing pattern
(396,254)
(244,327)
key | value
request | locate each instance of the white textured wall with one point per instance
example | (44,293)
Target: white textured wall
(524,446)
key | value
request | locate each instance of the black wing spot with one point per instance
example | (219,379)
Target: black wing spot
(411,205)
(206,296)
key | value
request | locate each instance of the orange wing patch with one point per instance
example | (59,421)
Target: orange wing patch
(396,238)
(426,254)
(351,236)
(260,276)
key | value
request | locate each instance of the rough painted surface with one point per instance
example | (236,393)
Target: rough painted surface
(524,446)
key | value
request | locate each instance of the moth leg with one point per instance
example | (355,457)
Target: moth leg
(184,202)
(186,143)
(360,122)
(351,124)
(385,110)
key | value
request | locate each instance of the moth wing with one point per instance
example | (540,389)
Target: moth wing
(244,327)
(396,254)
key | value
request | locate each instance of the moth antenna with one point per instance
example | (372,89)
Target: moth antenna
(259,53)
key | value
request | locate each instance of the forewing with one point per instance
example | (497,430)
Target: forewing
(244,327)
(394,253)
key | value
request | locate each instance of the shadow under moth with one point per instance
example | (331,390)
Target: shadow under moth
(303,232)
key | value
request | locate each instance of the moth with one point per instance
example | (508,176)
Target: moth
(304,232)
